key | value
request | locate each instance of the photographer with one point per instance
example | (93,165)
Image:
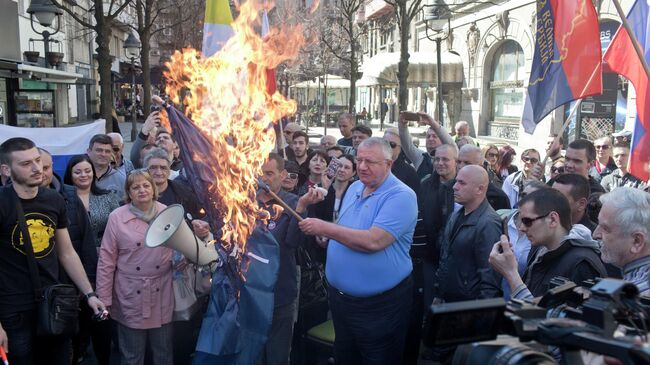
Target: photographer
(545,217)
(623,230)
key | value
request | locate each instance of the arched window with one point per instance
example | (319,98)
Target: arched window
(507,82)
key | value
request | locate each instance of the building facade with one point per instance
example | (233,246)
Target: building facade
(486,62)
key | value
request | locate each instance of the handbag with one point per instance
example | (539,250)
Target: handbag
(186,303)
(57,306)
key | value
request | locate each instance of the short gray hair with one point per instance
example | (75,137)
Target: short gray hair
(116,135)
(470,148)
(156,153)
(378,141)
(461,123)
(632,208)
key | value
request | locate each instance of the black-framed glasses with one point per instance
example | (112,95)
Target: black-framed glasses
(393,145)
(116,149)
(559,170)
(532,160)
(529,221)
(293,176)
(602,147)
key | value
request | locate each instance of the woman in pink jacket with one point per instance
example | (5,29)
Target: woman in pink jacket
(135,281)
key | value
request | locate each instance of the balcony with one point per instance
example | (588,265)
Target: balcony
(377,8)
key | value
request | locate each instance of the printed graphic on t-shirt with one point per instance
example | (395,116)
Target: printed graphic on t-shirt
(41,231)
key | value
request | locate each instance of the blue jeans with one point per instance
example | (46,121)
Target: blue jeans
(371,330)
(25,348)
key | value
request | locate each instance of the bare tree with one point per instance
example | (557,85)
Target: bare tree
(341,38)
(405,11)
(105,14)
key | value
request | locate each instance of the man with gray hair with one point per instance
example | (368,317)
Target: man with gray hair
(368,263)
(120,163)
(327,142)
(624,230)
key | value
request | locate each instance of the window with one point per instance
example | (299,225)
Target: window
(507,82)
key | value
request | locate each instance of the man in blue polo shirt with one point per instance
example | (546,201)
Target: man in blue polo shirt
(368,262)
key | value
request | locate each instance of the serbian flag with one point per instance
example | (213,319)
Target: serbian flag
(216,26)
(622,59)
(567,61)
(271,85)
(62,143)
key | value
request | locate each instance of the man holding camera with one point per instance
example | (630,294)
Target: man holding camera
(545,217)
(623,230)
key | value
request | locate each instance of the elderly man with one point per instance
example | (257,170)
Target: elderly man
(368,265)
(471,155)
(100,152)
(346,122)
(327,142)
(545,217)
(121,163)
(624,230)
(464,273)
(436,135)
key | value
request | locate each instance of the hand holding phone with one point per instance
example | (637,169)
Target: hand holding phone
(332,168)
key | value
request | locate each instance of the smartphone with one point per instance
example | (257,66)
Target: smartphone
(332,168)
(411,116)
(504,229)
(154,108)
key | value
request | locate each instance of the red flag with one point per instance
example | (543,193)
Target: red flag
(622,59)
(271,86)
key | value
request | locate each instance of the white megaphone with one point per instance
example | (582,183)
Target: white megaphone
(169,229)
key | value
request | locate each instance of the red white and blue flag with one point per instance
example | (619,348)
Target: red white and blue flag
(622,59)
(567,61)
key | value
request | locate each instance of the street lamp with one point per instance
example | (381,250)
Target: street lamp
(436,17)
(45,12)
(132,48)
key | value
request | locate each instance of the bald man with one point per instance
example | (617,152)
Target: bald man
(471,155)
(464,272)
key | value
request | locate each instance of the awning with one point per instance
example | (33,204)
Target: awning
(333,82)
(381,69)
(50,75)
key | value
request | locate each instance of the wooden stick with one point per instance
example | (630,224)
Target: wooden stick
(281,202)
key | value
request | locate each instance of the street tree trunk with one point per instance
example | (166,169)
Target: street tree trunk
(104,61)
(353,69)
(402,67)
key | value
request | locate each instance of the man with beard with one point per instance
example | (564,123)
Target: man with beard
(45,212)
(301,153)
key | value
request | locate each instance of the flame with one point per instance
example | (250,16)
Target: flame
(225,96)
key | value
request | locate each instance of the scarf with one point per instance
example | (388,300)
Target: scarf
(142,215)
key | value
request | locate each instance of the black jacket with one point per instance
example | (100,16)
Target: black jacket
(79,229)
(576,259)
(497,198)
(435,205)
(464,272)
(406,174)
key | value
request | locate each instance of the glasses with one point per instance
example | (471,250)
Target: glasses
(529,221)
(293,176)
(602,147)
(157,167)
(532,160)
(493,155)
(368,162)
(559,170)
(116,149)
(393,145)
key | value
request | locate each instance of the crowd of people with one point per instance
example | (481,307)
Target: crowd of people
(398,228)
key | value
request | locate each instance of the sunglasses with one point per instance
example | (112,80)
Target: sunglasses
(393,145)
(602,147)
(559,170)
(293,176)
(494,155)
(532,160)
(529,221)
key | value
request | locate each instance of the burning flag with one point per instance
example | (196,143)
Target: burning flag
(223,147)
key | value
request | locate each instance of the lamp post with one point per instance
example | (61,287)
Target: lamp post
(436,17)
(45,12)
(132,48)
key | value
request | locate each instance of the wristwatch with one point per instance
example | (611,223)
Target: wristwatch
(90,295)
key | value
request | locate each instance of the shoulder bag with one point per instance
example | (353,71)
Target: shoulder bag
(57,306)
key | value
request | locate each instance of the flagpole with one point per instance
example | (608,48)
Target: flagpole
(635,43)
(573,111)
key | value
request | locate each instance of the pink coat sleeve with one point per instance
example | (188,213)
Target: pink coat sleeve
(107,262)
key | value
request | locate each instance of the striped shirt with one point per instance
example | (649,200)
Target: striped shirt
(637,272)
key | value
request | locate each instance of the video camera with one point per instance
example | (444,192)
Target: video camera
(568,317)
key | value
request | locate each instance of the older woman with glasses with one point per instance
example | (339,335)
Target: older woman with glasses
(558,167)
(290,182)
(135,281)
(531,170)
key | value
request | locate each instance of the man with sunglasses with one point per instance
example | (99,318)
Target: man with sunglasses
(545,218)
(401,168)
(604,164)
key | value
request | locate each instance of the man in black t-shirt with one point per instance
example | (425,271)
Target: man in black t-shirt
(45,215)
